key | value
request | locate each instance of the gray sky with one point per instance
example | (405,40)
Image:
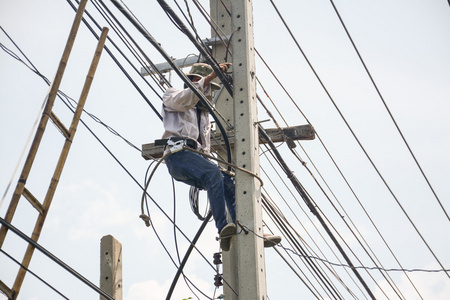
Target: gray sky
(405,46)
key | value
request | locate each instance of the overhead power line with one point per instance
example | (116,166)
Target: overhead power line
(117,62)
(313,209)
(371,268)
(337,167)
(34,274)
(359,143)
(55,259)
(63,96)
(388,110)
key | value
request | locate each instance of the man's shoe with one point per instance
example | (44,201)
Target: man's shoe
(271,240)
(227,235)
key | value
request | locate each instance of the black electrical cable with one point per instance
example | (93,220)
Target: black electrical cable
(162,243)
(54,258)
(313,209)
(186,256)
(34,274)
(142,52)
(361,146)
(314,268)
(340,172)
(118,63)
(69,106)
(154,202)
(225,81)
(304,228)
(175,234)
(188,82)
(389,111)
(62,94)
(180,268)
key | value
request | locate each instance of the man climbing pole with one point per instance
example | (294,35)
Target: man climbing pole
(186,122)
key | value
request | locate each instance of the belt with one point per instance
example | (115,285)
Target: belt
(186,141)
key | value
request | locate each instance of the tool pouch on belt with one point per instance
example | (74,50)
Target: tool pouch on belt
(176,144)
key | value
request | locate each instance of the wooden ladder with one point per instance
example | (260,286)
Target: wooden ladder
(21,190)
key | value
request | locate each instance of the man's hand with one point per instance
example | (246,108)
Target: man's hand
(223,67)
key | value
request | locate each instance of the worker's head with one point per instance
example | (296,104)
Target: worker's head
(200,70)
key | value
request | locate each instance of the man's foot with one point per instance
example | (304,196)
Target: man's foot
(271,240)
(227,235)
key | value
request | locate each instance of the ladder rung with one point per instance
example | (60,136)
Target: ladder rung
(35,202)
(5,289)
(60,125)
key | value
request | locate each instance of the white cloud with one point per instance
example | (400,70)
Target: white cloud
(430,285)
(98,208)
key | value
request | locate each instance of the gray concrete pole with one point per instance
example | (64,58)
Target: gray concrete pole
(225,105)
(250,268)
(243,265)
(111,267)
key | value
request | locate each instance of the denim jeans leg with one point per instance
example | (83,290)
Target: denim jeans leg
(194,169)
(230,197)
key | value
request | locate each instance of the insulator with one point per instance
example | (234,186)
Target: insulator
(217,257)
(218,280)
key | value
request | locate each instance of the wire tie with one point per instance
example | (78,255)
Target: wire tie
(245,229)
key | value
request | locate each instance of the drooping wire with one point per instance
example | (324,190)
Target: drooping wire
(388,110)
(359,143)
(312,207)
(324,192)
(282,224)
(362,267)
(181,231)
(303,226)
(337,167)
(67,103)
(168,252)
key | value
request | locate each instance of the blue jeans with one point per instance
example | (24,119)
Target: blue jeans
(194,169)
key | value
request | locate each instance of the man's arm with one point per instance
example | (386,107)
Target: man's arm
(210,77)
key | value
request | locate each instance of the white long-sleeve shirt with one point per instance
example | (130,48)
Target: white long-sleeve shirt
(179,114)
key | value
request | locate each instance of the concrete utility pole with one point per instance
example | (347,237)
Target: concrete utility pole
(243,266)
(111,267)
(249,265)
